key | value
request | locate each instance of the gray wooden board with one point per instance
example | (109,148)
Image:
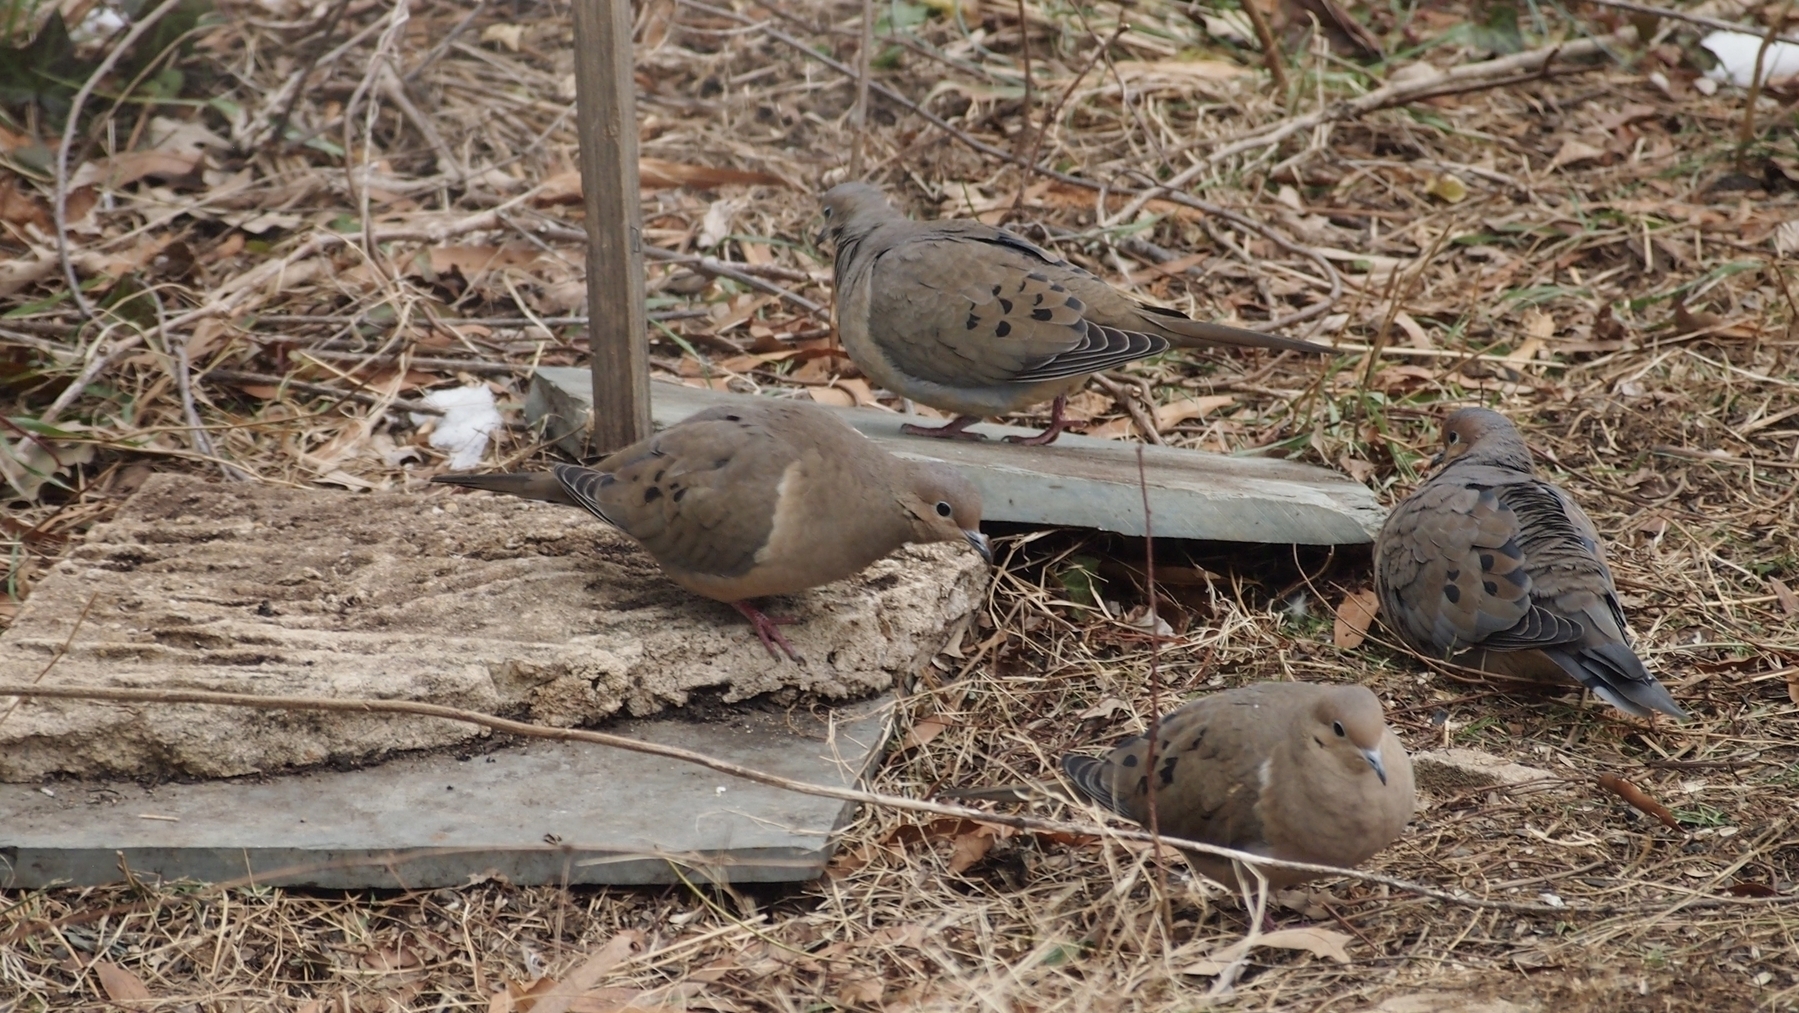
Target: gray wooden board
(541,812)
(1077,481)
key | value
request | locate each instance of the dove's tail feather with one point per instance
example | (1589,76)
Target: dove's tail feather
(528,485)
(1204,333)
(1616,675)
(1091,777)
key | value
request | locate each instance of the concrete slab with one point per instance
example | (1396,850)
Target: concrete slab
(536,813)
(1078,481)
(484,602)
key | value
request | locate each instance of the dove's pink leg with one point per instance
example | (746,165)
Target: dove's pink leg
(1056,424)
(955,430)
(768,628)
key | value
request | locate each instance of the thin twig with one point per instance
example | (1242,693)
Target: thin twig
(61,206)
(1702,20)
(1271,50)
(1746,133)
(864,69)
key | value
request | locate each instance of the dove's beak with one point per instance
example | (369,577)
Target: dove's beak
(1436,460)
(1373,758)
(981,544)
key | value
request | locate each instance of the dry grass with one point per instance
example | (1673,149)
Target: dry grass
(1609,280)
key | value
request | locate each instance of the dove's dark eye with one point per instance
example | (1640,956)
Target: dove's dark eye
(944,509)
(1454,438)
(827,212)
(1337,726)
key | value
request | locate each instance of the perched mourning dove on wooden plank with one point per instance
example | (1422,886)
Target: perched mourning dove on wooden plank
(1488,559)
(764,498)
(972,319)
(1294,771)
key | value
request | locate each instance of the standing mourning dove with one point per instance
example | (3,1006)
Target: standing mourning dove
(974,320)
(1290,770)
(763,498)
(1487,557)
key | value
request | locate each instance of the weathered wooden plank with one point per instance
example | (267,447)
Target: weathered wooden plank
(607,125)
(543,812)
(1077,481)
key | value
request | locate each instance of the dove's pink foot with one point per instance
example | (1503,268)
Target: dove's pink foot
(955,430)
(1056,424)
(768,628)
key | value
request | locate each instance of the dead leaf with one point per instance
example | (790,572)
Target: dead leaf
(1104,709)
(1447,188)
(1639,799)
(1175,412)
(1789,602)
(19,208)
(1793,685)
(126,169)
(657,173)
(832,396)
(1316,941)
(1573,151)
(923,731)
(122,986)
(970,848)
(1354,613)
(1414,332)
(862,991)
(560,997)
(507,35)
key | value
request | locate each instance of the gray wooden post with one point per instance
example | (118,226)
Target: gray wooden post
(606,118)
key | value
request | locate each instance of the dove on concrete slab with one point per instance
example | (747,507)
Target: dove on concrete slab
(1489,564)
(971,319)
(767,497)
(1294,771)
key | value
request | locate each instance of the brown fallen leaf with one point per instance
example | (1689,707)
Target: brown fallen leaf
(1793,684)
(1316,941)
(1354,614)
(1639,799)
(560,996)
(128,168)
(970,848)
(923,731)
(1789,602)
(122,986)
(1175,412)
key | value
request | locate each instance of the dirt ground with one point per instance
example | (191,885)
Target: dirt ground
(291,223)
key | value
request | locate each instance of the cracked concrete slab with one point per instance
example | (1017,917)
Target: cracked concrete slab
(484,602)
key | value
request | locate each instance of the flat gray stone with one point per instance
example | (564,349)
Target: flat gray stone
(540,812)
(488,603)
(1077,481)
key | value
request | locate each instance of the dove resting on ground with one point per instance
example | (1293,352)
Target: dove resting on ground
(1294,771)
(1486,558)
(971,319)
(763,498)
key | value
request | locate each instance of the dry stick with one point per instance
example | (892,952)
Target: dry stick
(278,125)
(1271,51)
(60,652)
(1155,698)
(1468,77)
(1024,46)
(61,206)
(1692,19)
(1746,132)
(243,376)
(864,69)
(521,728)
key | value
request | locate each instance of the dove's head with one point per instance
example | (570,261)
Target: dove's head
(852,210)
(942,506)
(1483,436)
(1347,723)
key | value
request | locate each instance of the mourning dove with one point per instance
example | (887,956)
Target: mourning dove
(1293,771)
(764,498)
(974,320)
(1488,559)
